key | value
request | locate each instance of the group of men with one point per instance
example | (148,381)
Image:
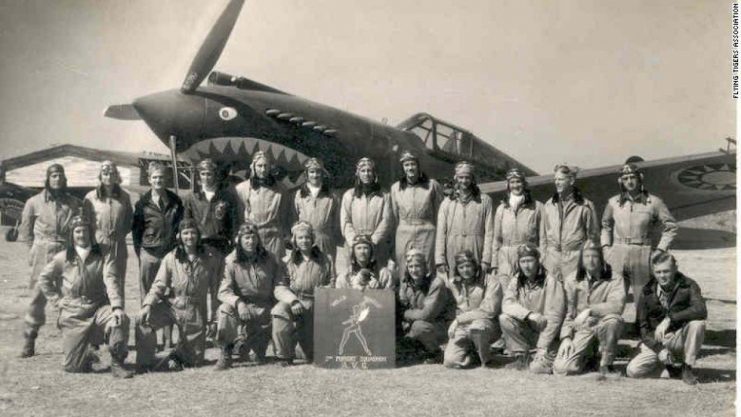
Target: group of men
(549,280)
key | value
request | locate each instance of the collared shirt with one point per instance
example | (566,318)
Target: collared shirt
(544,296)
(188,281)
(112,215)
(602,296)
(305,275)
(216,216)
(568,224)
(636,221)
(427,302)
(93,281)
(252,282)
(480,298)
(46,218)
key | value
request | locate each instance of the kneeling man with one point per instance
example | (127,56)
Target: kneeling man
(293,316)
(671,316)
(478,300)
(251,274)
(83,285)
(595,299)
(178,297)
(423,306)
(533,309)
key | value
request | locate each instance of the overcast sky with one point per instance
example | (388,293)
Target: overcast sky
(587,82)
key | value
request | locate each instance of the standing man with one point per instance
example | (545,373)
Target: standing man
(415,200)
(366,210)
(518,220)
(629,223)
(595,298)
(157,215)
(251,274)
(671,316)
(261,201)
(83,285)
(316,204)
(569,220)
(44,227)
(109,208)
(293,315)
(465,222)
(532,312)
(215,210)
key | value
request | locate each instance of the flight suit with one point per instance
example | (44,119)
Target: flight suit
(464,226)
(628,230)
(323,213)
(567,225)
(415,207)
(514,228)
(86,292)
(544,295)
(112,217)
(475,326)
(44,227)
(253,282)
(424,311)
(304,276)
(178,297)
(264,206)
(154,232)
(367,214)
(605,299)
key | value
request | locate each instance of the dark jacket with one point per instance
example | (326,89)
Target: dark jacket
(217,219)
(154,229)
(685,304)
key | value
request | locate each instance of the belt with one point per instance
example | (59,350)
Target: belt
(633,241)
(415,222)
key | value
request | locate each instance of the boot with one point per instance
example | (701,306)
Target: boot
(605,371)
(520,363)
(29,344)
(225,359)
(688,377)
(118,370)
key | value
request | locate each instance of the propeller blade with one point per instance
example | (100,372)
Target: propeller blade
(122,112)
(212,46)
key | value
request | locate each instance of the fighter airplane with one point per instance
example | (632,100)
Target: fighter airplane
(233,117)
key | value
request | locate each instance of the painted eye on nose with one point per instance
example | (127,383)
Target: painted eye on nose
(227,113)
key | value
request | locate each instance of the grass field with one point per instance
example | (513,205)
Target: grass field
(38,386)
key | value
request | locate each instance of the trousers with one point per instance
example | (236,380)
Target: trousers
(255,332)
(289,330)
(605,333)
(191,323)
(683,345)
(41,254)
(84,325)
(475,336)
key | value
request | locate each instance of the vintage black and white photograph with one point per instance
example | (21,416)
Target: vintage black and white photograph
(368,208)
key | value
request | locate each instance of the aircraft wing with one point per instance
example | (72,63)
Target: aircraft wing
(691,186)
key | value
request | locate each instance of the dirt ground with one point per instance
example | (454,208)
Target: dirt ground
(38,386)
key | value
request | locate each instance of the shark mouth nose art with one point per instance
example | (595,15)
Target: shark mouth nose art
(240,150)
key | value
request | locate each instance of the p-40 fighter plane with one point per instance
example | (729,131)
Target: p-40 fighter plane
(233,117)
